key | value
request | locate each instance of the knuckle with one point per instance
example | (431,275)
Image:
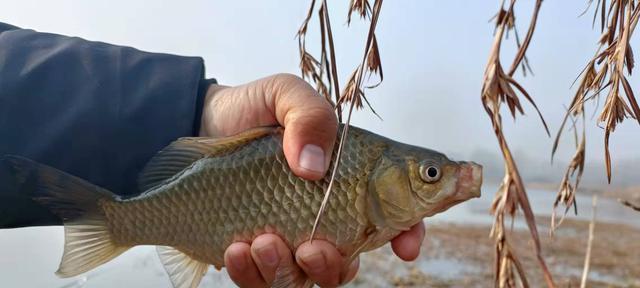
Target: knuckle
(283,82)
(286,77)
(320,115)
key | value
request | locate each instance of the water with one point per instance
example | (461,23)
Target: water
(445,268)
(476,211)
(30,256)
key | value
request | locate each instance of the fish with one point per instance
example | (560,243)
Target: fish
(202,194)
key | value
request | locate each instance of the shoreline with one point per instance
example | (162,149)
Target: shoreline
(458,255)
(626,192)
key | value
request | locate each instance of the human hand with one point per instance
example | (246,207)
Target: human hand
(309,135)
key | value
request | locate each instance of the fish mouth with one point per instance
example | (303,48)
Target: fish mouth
(469,180)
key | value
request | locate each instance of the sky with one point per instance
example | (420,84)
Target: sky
(433,56)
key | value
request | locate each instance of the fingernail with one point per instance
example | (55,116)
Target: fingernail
(312,158)
(355,264)
(239,263)
(268,255)
(350,271)
(314,262)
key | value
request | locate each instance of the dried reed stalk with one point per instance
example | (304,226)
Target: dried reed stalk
(567,192)
(498,88)
(606,70)
(316,70)
(587,257)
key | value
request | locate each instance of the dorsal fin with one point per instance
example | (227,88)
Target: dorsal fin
(184,271)
(185,151)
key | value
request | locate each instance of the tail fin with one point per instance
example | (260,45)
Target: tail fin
(88,242)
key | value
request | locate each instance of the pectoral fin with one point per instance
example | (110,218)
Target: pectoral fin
(184,271)
(185,151)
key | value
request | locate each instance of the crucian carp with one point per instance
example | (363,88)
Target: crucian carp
(202,194)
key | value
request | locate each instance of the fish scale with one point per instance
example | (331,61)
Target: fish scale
(244,201)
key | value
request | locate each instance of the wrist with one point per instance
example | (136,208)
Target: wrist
(203,88)
(211,97)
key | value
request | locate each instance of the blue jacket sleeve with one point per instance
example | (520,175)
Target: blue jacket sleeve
(91,109)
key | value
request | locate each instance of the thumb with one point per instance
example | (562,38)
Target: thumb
(310,126)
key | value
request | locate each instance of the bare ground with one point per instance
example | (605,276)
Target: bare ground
(456,255)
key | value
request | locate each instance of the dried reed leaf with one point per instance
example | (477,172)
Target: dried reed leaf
(634,206)
(525,61)
(632,98)
(353,92)
(362,7)
(606,70)
(308,65)
(374,64)
(333,72)
(322,72)
(522,49)
(567,192)
(302,31)
(500,88)
(528,97)
(356,97)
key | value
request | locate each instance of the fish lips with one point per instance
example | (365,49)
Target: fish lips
(469,180)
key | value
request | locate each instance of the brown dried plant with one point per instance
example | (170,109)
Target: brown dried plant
(634,206)
(606,70)
(498,88)
(567,192)
(361,6)
(587,256)
(324,72)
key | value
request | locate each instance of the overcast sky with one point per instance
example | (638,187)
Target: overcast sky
(433,53)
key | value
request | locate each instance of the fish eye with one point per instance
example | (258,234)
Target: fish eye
(430,173)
